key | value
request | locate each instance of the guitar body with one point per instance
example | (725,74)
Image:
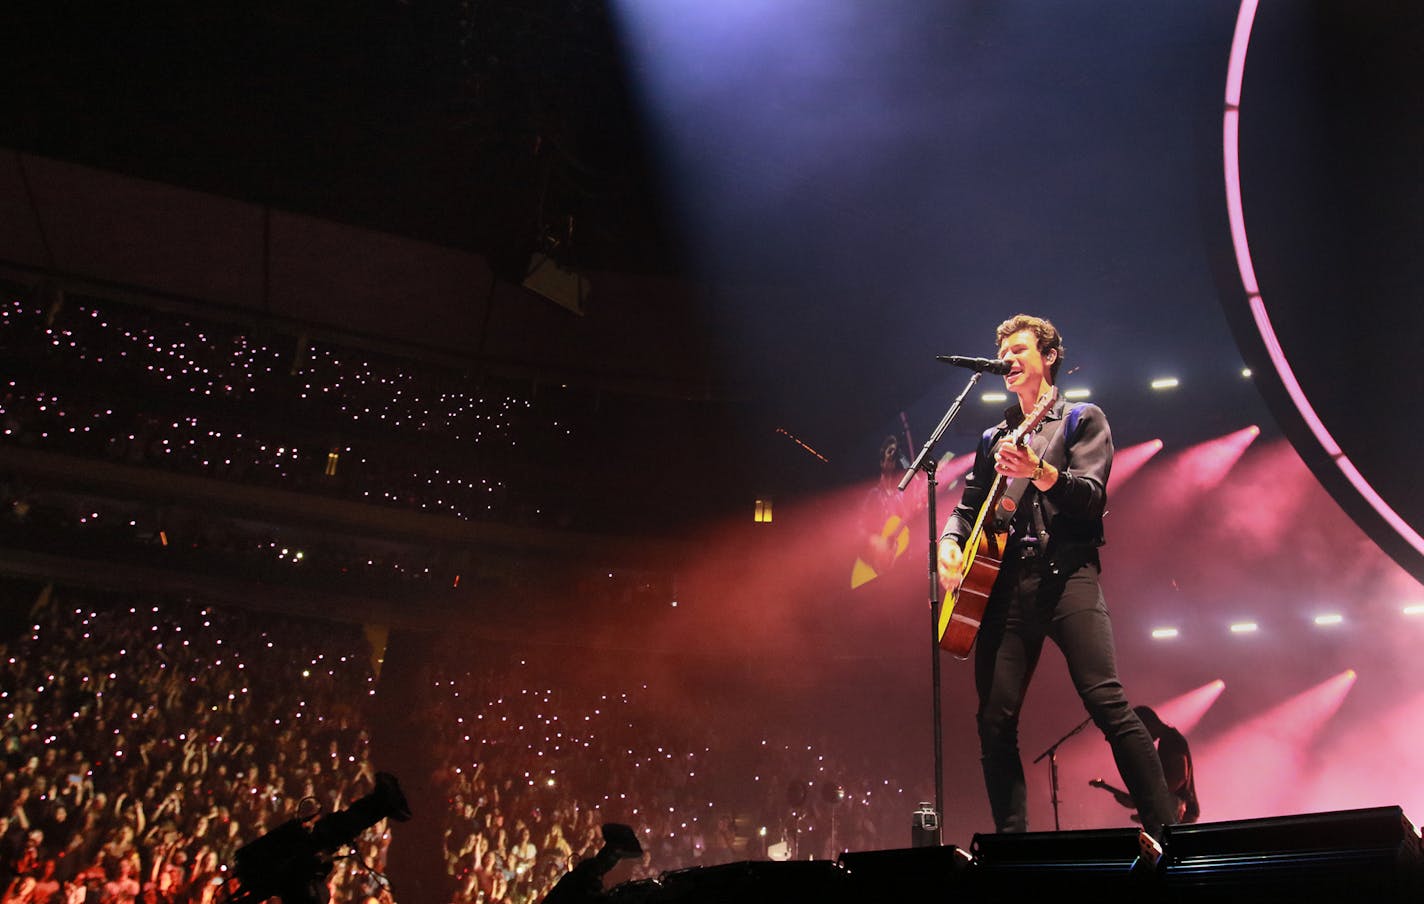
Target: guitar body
(963,612)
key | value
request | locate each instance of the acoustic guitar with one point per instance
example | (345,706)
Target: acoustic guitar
(961,614)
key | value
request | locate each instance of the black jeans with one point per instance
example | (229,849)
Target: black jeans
(1034,600)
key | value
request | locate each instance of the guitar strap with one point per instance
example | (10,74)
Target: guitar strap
(1009,503)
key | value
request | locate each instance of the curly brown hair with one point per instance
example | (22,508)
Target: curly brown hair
(1049,339)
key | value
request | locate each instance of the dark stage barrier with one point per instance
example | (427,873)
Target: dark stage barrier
(1357,856)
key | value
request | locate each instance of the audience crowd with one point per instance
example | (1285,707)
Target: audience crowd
(88,380)
(144,744)
(271,407)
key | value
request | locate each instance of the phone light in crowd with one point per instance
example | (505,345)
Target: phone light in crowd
(1243,628)
(1077,393)
(1329,618)
(1165,383)
(1164,633)
(1246,372)
(994,397)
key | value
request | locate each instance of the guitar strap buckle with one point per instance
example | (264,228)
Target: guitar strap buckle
(1007,507)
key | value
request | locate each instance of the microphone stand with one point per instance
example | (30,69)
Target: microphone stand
(1052,754)
(926,461)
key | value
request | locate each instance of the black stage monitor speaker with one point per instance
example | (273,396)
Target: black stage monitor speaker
(1368,855)
(911,874)
(1101,864)
(1109,847)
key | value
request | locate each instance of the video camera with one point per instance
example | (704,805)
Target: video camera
(292,861)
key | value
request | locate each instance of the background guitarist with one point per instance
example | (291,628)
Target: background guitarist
(1048,586)
(884,516)
(1176,756)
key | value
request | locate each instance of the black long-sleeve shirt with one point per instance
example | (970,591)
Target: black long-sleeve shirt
(1071,512)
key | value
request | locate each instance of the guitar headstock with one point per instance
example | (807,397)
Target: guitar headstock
(1035,417)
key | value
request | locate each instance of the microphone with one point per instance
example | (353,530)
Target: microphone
(990,365)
